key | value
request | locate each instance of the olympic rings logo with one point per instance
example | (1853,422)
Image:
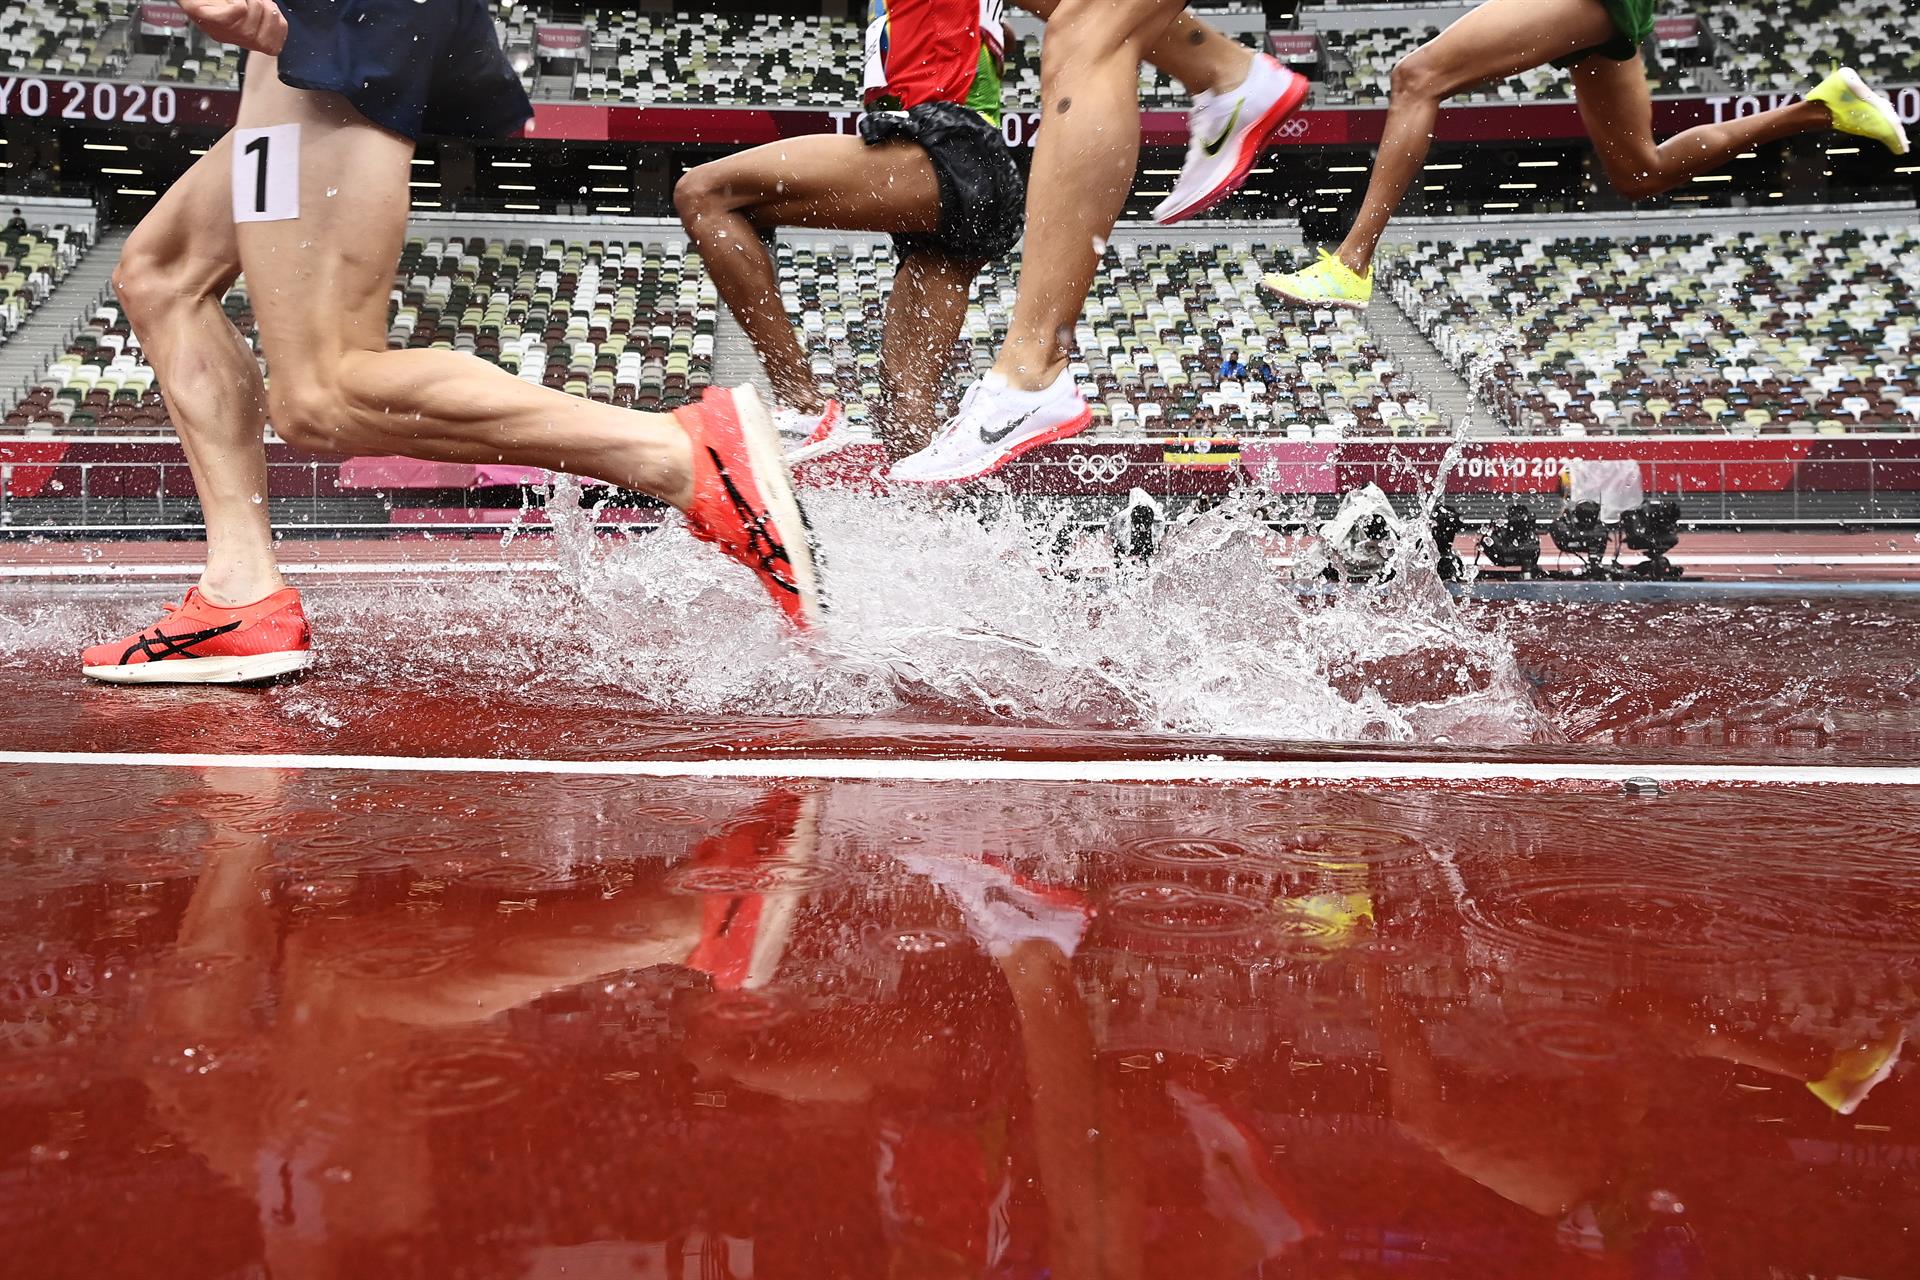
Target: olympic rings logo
(1294,128)
(1103,467)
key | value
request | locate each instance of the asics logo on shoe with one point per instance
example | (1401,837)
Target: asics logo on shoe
(1213,148)
(996,436)
(767,550)
(158,647)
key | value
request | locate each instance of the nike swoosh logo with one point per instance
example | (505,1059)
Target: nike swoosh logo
(1213,148)
(995,437)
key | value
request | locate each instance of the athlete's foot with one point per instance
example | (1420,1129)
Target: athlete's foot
(745,874)
(807,435)
(1227,131)
(1856,1071)
(199,642)
(1328,282)
(1004,908)
(743,499)
(996,424)
(1858,110)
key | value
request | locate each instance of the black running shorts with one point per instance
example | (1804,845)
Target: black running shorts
(413,66)
(983,199)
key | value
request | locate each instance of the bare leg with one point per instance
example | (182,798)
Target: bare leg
(1199,57)
(808,182)
(320,284)
(924,314)
(173,272)
(1501,38)
(1090,1169)
(1082,169)
(1618,112)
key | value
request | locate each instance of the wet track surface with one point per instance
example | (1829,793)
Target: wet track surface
(480,669)
(331,1022)
(325,1023)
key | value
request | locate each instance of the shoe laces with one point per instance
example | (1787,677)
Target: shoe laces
(952,430)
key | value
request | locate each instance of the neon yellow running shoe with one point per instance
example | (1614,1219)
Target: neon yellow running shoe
(1858,110)
(1856,1070)
(1328,282)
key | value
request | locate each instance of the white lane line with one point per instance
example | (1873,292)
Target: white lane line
(911,769)
(109,570)
(372,568)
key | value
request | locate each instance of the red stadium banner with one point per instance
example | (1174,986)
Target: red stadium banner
(1299,47)
(1677,33)
(131,103)
(164,20)
(566,42)
(1668,465)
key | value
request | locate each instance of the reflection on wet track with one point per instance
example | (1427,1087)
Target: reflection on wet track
(321,1024)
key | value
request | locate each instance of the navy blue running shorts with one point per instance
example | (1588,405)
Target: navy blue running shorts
(413,66)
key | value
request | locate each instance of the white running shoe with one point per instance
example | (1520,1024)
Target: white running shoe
(1002,907)
(806,436)
(995,425)
(1226,134)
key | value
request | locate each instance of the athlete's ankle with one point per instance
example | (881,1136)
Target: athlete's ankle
(1357,260)
(1235,68)
(240,589)
(1031,376)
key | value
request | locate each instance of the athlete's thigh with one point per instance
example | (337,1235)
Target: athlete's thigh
(1502,38)
(1617,107)
(838,182)
(319,280)
(186,243)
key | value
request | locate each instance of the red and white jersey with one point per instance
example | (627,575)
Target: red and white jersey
(935,51)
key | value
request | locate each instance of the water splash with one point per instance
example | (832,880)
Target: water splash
(969,615)
(978,614)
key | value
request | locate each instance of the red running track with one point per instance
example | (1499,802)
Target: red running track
(328,1022)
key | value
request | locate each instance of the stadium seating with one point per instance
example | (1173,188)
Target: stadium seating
(627,324)
(796,61)
(1148,347)
(64,37)
(1769,47)
(31,264)
(1361,70)
(1751,332)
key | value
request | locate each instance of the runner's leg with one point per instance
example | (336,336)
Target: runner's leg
(320,284)
(1501,38)
(1192,52)
(924,314)
(836,182)
(1082,169)
(172,274)
(1618,111)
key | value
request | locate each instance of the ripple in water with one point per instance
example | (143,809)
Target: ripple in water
(401,951)
(769,877)
(477,1075)
(1602,915)
(1179,911)
(1189,853)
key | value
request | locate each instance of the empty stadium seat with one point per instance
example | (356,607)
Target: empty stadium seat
(1688,333)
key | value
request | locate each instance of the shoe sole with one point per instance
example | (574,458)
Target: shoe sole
(1866,94)
(773,485)
(1052,435)
(838,437)
(1351,304)
(1251,146)
(243,670)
